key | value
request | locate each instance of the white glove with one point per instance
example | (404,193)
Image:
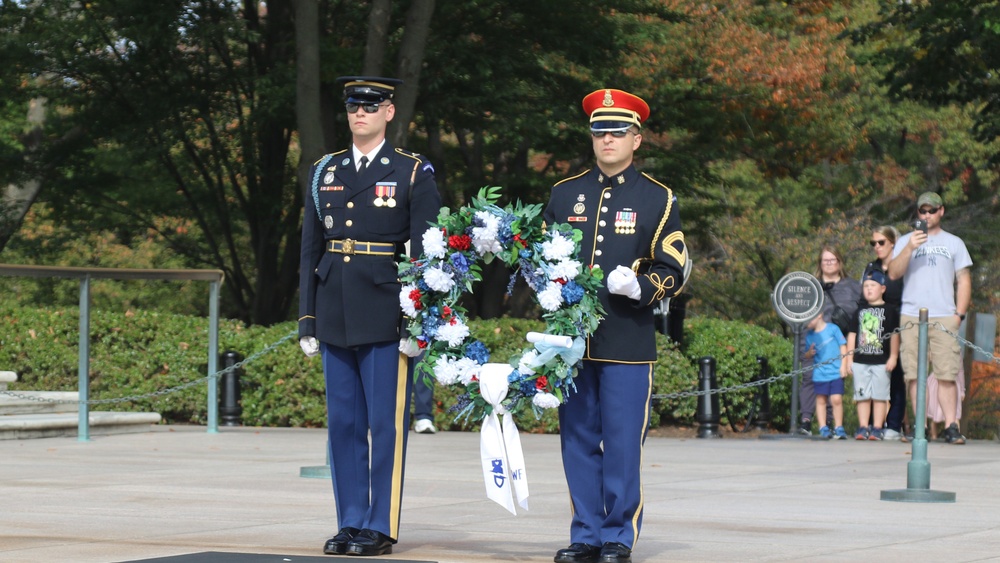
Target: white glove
(409,347)
(621,281)
(309,345)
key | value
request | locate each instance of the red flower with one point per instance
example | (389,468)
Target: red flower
(541,383)
(562,281)
(415,297)
(459,242)
(421,344)
(446,312)
(518,239)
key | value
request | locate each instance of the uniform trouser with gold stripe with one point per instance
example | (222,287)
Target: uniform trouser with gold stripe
(611,405)
(368,388)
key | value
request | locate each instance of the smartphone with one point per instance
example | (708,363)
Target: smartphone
(920,225)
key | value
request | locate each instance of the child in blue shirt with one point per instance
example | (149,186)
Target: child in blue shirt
(825,342)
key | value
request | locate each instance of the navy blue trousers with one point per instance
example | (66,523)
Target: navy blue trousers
(602,428)
(368,391)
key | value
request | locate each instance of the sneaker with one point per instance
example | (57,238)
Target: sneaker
(805,427)
(862,433)
(824,432)
(890,434)
(424,426)
(877,434)
(839,433)
(952,435)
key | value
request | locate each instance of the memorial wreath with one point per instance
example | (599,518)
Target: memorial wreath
(544,256)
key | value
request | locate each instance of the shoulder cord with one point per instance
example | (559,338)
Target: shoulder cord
(315,181)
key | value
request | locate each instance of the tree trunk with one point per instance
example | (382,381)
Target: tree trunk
(411,59)
(378,37)
(307,89)
(17,198)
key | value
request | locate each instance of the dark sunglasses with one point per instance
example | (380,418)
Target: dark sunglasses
(877,242)
(369,108)
(598,134)
(928,210)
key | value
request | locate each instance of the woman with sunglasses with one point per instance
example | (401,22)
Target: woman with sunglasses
(883,242)
(841,292)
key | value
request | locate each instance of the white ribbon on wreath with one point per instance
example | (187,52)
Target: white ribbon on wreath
(500,444)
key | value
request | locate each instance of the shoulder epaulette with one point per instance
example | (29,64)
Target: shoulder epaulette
(328,155)
(584,173)
(410,154)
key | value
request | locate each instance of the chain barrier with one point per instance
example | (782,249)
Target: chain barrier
(160,392)
(659,396)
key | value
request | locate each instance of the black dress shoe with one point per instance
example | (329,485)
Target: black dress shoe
(370,542)
(614,552)
(578,553)
(337,545)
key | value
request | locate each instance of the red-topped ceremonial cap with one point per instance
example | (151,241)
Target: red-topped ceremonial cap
(614,110)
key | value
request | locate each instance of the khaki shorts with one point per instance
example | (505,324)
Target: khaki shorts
(943,350)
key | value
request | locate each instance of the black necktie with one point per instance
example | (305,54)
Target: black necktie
(364,165)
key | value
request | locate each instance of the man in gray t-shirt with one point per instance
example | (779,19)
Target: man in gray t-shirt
(935,266)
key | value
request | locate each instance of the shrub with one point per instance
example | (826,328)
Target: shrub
(144,352)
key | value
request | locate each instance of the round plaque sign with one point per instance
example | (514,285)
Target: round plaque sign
(797,297)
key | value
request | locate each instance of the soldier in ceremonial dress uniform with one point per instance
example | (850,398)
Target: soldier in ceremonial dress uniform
(365,203)
(631,228)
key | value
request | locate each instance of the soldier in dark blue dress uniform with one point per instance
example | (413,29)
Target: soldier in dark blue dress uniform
(365,203)
(632,230)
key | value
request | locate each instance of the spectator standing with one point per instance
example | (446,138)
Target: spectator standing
(936,266)
(872,355)
(841,292)
(423,406)
(365,203)
(826,345)
(883,243)
(626,217)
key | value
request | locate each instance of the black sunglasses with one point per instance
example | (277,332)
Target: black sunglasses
(372,107)
(877,242)
(598,134)
(928,210)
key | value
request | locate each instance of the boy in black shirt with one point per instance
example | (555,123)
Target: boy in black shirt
(872,357)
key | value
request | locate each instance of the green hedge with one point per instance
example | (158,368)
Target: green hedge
(143,352)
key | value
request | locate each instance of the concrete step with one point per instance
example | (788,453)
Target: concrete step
(10,405)
(52,425)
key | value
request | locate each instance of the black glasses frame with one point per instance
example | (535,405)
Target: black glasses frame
(598,134)
(372,107)
(929,211)
(877,242)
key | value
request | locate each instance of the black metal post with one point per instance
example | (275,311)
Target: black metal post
(763,420)
(707,414)
(230,409)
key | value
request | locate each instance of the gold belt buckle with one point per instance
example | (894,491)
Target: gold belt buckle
(347,247)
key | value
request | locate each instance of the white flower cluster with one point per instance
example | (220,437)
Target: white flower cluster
(453,332)
(439,280)
(551,298)
(567,269)
(484,238)
(557,249)
(449,371)
(434,244)
(545,400)
(407,304)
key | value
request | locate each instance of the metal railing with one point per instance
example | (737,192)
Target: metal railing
(214,277)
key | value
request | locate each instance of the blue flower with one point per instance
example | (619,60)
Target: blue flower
(460,262)
(478,352)
(528,387)
(572,293)
(514,376)
(431,323)
(526,253)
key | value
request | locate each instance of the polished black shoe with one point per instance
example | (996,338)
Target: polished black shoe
(370,542)
(337,545)
(614,552)
(578,553)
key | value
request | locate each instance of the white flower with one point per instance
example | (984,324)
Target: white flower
(467,369)
(409,308)
(439,280)
(446,371)
(557,249)
(545,401)
(567,269)
(484,238)
(434,244)
(551,297)
(453,332)
(526,362)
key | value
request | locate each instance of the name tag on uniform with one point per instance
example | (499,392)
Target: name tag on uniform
(575,219)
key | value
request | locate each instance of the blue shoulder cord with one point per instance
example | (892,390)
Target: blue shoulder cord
(315,182)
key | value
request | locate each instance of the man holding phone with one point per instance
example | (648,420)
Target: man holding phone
(935,265)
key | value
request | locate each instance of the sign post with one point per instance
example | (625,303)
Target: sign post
(797,298)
